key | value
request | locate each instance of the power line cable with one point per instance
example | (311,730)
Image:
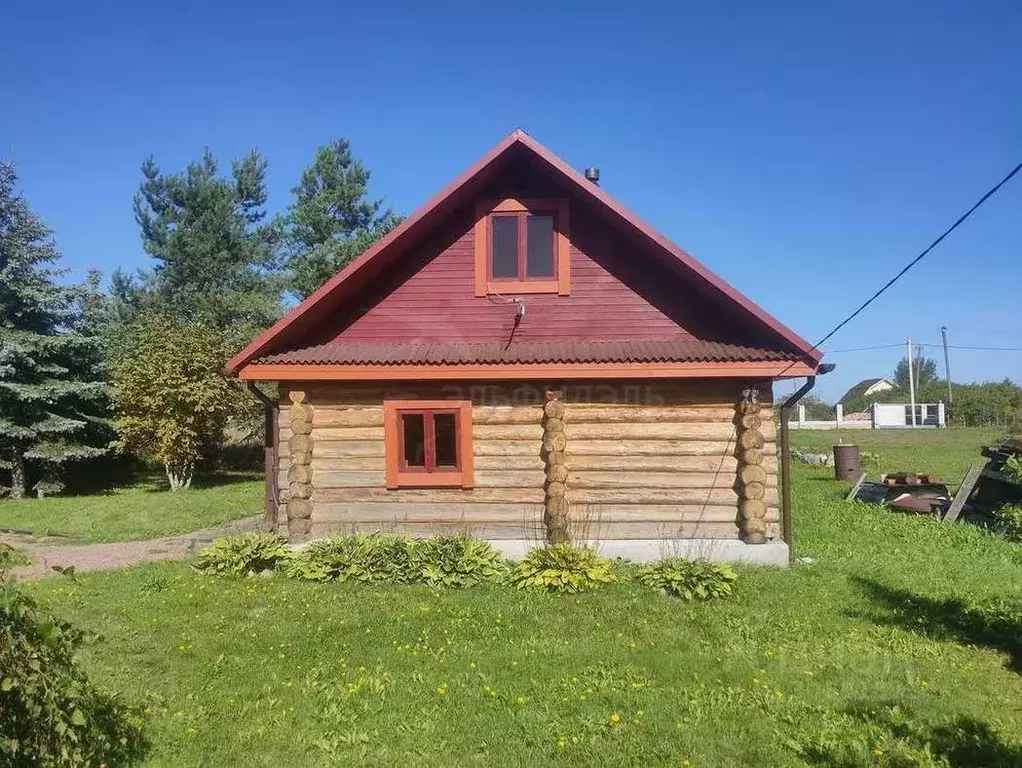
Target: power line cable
(925,344)
(958,222)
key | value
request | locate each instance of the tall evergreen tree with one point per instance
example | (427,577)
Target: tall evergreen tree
(332,220)
(52,400)
(216,253)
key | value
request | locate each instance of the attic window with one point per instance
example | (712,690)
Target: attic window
(521,246)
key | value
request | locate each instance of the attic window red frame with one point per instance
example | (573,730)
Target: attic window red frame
(559,282)
(433,468)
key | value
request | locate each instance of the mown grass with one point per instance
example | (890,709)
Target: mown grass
(902,644)
(944,452)
(145,510)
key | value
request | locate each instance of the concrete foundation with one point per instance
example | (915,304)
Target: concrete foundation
(773,552)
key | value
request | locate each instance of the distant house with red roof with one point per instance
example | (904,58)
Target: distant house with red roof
(525,360)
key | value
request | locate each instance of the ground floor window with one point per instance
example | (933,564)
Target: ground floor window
(428,443)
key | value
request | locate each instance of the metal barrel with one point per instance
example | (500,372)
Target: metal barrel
(847,462)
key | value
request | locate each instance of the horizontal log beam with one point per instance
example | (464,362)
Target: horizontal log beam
(347,463)
(640,482)
(639,447)
(368,416)
(492,531)
(434,495)
(522,414)
(346,448)
(709,497)
(644,414)
(660,513)
(348,433)
(724,431)
(531,432)
(348,479)
(428,513)
(726,463)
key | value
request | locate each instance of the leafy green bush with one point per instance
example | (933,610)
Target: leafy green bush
(1008,523)
(373,558)
(562,568)
(50,714)
(689,579)
(246,554)
(459,561)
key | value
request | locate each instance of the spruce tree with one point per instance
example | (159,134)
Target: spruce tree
(52,399)
(332,220)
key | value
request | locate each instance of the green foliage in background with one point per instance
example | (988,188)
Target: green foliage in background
(689,579)
(216,254)
(562,568)
(332,219)
(924,371)
(172,396)
(1008,523)
(53,401)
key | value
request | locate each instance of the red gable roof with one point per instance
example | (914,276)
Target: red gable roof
(268,348)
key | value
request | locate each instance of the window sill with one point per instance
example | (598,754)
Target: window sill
(431,480)
(506,287)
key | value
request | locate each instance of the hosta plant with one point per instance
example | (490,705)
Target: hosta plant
(244,555)
(374,558)
(562,568)
(459,561)
(689,579)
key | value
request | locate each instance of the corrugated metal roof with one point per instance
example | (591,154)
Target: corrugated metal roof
(673,351)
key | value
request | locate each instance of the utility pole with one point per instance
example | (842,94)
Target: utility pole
(947,365)
(911,381)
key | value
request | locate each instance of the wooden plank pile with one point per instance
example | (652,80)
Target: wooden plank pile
(994,487)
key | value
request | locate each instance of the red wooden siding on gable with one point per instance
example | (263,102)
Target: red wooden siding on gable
(614,296)
(618,291)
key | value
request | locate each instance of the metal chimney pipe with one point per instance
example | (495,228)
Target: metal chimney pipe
(593,174)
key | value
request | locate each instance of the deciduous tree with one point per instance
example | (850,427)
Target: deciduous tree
(172,395)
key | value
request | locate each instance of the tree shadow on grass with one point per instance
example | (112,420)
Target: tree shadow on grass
(996,624)
(892,734)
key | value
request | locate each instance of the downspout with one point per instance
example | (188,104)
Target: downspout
(270,454)
(786,407)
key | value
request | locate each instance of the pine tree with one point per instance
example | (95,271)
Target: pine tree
(52,400)
(216,257)
(332,219)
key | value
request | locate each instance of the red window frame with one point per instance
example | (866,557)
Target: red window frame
(398,473)
(559,282)
(522,218)
(429,464)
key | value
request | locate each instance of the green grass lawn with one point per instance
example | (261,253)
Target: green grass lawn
(902,644)
(142,511)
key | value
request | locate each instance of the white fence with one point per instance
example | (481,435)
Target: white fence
(881,416)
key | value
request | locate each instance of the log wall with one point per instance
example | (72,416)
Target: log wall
(657,461)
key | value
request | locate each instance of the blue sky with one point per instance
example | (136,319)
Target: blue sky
(802,150)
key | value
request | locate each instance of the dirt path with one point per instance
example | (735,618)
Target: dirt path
(101,557)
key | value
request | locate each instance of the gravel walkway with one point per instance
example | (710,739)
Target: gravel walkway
(101,557)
